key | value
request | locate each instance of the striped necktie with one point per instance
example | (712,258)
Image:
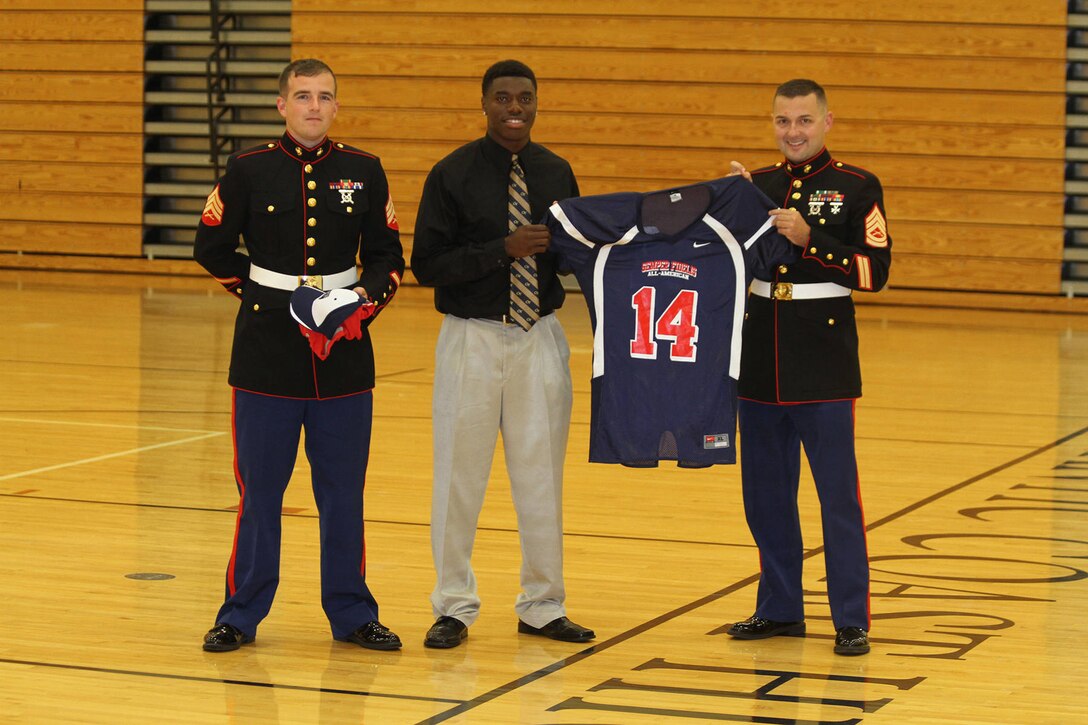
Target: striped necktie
(524,291)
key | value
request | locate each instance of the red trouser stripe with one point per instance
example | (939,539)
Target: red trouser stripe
(231,587)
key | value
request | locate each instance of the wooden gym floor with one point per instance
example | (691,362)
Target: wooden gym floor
(116,514)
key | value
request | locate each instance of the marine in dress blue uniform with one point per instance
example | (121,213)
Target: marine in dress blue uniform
(665,275)
(308,210)
(800,373)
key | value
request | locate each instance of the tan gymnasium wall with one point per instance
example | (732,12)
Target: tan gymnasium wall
(71,132)
(957,105)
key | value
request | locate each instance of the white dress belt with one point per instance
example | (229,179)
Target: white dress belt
(798,291)
(288,282)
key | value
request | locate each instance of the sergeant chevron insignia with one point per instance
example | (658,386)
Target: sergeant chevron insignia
(213,209)
(876,228)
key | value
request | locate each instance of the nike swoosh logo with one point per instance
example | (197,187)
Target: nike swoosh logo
(696,245)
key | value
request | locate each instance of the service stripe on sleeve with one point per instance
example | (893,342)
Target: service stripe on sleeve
(865,271)
(391,215)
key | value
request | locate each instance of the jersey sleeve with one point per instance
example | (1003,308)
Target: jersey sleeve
(572,248)
(768,251)
(764,247)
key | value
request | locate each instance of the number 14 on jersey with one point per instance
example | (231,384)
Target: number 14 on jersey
(675,325)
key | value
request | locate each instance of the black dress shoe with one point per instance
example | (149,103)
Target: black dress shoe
(561,629)
(759,628)
(374,635)
(446,632)
(225,638)
(851,641)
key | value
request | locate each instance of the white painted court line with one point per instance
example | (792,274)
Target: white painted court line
(46,421)
(108,456)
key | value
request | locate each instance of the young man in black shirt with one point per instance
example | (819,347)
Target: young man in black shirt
(501,362)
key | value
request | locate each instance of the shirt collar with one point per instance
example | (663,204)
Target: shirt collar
(500,156)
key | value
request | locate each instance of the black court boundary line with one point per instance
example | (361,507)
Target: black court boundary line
(668,616)
(225,681)
(388,522)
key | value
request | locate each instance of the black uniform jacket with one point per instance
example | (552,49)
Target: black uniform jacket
(299,212)
(807,350)
(459,244)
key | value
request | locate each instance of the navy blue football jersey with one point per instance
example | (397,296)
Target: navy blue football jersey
(665,275)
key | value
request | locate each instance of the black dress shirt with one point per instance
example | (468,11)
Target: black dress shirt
(462,223)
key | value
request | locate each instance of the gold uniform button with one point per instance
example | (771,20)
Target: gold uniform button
(839,164)
(311,242)
(311,202)
(845,262)
(795,195)
(307,168)
(310,261)
(796,183)
(348,210)
(256,308)
(776,165)
(783,269)
(831,322)
(239,290)
(271,145)
(271,208)
(823,221)
(812,250)
(311,222)
(830,257)
(311,185)
(339,145)
(746,315)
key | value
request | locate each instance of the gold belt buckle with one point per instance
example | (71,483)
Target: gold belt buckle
(314,280)
(783,291)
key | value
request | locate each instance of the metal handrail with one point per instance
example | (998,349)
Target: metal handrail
(218,82)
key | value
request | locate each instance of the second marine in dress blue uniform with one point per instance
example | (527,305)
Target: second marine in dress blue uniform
(802,349)
(800,372)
